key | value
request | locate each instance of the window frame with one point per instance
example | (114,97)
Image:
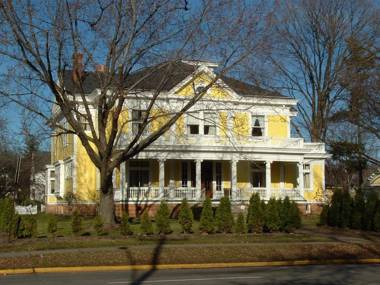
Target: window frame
(195,116)
(210,123)
(307,170)
(138,121)
(262,128)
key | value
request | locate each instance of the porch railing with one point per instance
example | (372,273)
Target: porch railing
(246,194)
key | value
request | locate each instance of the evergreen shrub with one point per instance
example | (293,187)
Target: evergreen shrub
(223,216)
(207,222)
(185,217)
(162,219)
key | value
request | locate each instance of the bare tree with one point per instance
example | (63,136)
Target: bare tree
(309,52)
(123,35)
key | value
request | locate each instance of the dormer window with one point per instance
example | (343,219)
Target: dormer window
(138,117)
(193,124)
(209,125)
(258,126)
(200,89)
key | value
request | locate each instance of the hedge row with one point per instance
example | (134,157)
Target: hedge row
(355,213)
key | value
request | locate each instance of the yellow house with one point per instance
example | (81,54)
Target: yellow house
(235,141)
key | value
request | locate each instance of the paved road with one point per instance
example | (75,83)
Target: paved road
(331,274)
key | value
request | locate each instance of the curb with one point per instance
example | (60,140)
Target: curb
(185,266)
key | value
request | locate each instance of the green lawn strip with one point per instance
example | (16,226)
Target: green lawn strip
(105,241)
(196,254)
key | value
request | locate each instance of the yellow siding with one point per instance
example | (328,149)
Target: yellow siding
(223,122)
(123,121)
(85,175)
(243,170)
(117,177)
(291,173)
(226,174)
(215,91)
(60,151)
(275,175)
(68,184)
(180,127)
(52,199)
(278,126)
(318,176)
(241,124)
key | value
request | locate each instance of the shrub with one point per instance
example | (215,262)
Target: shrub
(255,216)
(146,224)
(295,216)
(125,227)
(323,215)
(185,217)
(223,216)
(207,222)
(99,225)
(162,219)
(376,219)
(345,210)
(7,214)
(52,225)
(240,225)
(285,213)
(272,221)
(358,207)
(369,211)
(333,217)
(76,223)
(27,227)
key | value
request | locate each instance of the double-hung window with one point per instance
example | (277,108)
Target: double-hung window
(138,117)
(306,176)
(193,124)
(209,125)
(258,126)
(139,173)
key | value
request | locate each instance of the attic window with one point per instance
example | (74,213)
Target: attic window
(193,124)
(200,89)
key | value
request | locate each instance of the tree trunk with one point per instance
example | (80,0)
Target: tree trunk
(107,205)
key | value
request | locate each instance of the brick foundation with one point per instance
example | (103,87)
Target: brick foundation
(64,209)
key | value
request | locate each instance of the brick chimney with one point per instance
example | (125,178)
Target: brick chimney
(77,67)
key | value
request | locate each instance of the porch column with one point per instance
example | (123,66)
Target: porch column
(161,171)
(233,179)
(122,180)
(198,183)
(268,180)
(300,179)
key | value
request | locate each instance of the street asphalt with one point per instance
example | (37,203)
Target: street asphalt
(319,274)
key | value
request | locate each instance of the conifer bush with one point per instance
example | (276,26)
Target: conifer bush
(358,207)
(333,217)
(272,222)
(125,227)
(240,225)
(323,215)
(295,216)
(223,216)
(76,223)
(27,227)
(162,219)
(345,210)
(370,211)
(146,224)
(7,215)
(207,222)
(52,225)
(99,225)
(185,217)
(376,218)
(285,213)
(255,216)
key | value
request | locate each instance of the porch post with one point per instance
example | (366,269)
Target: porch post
(122,180)
(198,183)
(161,170)
(233,179)
(300,179)
(268,180)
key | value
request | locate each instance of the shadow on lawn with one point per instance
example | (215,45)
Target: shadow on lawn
(135,278)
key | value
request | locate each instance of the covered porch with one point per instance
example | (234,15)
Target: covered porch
(175,179)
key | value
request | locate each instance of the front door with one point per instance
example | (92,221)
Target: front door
(206,178)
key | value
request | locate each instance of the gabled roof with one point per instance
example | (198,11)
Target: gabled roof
(166,75)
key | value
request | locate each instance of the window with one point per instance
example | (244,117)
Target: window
(139,173)
(258,126)
(258,175)
(52,186)
(209,126)
(138,117)
(218,176)
(184,174)
(193,124)
(200,89)
(85,124)
(68,169)
(306,176)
